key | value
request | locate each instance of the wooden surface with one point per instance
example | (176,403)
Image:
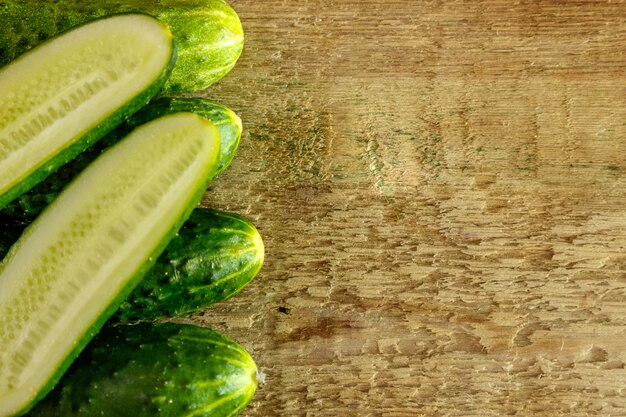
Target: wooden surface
(441,187)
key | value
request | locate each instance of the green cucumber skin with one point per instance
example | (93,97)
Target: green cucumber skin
(213,257)
(95,134)
(95,328)
(9,233)
(143,370)
(208,32)
(28,206)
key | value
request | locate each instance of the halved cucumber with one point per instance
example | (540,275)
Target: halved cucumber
(226,120)
(73,267)
(62,96)
(25,208)
(209,34)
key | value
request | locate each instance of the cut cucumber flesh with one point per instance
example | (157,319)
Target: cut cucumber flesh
(25,208)
(227,121)
(155,370)
(63,95)
(76,263)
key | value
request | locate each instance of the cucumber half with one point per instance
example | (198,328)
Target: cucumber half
(209,34)
(226,120)
(62,96)
(28,206)
(76,263)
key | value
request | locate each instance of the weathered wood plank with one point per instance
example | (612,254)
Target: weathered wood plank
(442,191)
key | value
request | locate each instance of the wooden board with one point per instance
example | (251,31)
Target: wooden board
(441,187)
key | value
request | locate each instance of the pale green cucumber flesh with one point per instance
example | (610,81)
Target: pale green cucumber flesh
(71,269)
(28,206)
(63,95)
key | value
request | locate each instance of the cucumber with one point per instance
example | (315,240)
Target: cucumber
(28,206)
(75,264)
(208,32)
(226,120)
(213,257)
(62,96)
(151,370)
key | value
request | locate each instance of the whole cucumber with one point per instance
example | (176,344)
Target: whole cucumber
(208,32)
(155,369)
(226,120)
(213,257)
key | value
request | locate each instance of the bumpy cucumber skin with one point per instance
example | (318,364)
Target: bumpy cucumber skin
(90,333)
(213,257)
(209,34)
(146,370)
(97,132)
(28,206)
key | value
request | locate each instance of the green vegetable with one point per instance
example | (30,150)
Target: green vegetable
(212,258)
(62,96)
(151,370)
(28,206)
(226,120)
(75,264)
(208,32)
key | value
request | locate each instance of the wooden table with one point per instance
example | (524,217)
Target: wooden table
(441,187)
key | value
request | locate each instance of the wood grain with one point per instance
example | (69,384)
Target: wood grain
(441,186)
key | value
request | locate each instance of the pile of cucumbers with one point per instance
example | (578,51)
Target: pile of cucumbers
(102,168)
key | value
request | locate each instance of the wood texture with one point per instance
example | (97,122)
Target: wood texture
(441,187)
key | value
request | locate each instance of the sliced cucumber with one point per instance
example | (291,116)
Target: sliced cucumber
(28,206)
(226,120)
(76,263)
(208,32)
(62,96)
